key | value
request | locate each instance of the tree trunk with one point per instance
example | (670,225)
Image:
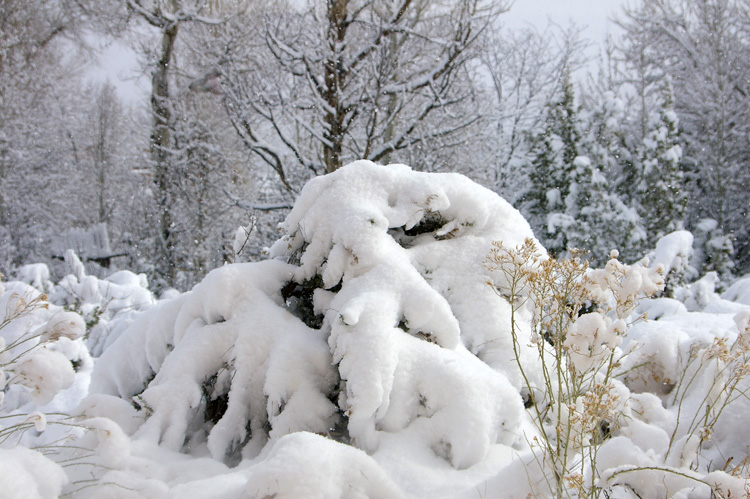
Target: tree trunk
(160,144)
(334,79)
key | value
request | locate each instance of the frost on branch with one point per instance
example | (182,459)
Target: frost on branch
(372,324)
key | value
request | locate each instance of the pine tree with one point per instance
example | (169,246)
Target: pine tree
(552,155)
(661,195)
(604,221)
(704,48)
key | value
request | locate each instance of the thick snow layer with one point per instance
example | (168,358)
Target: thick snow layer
(673,251)
(739,291)
(27,474)
(342,471)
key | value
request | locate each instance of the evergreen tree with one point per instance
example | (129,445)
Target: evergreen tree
(661,195)
(601,220)
(604,221)
(552,155)
(704,46)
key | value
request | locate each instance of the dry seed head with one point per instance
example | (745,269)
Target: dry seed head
(575,481)
(718,349)
(742,370)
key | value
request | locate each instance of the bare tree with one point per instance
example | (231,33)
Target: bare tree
(36,150)
(352,79)
(168,17)
(525,68)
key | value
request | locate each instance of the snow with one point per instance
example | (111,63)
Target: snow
(344,471)
(36,275)
(368,357)
(64,325)
(27,474)
(739,291)
(673,251)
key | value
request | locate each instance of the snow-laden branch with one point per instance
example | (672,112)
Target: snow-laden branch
(253,206)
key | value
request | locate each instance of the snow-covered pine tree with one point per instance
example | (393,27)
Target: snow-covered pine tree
(603,220)
(552,154)
(542,194)
(358,328)
(714,251)
(519,94)
(662,199)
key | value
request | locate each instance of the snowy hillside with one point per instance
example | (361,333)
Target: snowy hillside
(407,336)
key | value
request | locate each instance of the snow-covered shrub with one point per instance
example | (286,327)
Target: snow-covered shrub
(644,410)
(107,305)
(28,474)
(579,318)
(672,254)
(36,275)
(698,362)
(371,325)
(41,354)
(39,350)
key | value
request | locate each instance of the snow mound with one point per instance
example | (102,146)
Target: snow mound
(372,320)
(343,472)
(673,251)
(107,305)
(739,291)
(27,474)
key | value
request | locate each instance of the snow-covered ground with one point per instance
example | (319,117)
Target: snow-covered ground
(375,353)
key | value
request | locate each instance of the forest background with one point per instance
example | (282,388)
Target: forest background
(249,100)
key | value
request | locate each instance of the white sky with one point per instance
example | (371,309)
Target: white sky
(589,14)
(118,64)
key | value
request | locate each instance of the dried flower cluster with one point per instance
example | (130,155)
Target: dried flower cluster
(579,318)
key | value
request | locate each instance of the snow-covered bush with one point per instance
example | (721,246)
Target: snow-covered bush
(40,347)
(371,324)
(41,351)
(602,427)
(698,362)
(673,253)
(579,318)
(28,474)
(107,305)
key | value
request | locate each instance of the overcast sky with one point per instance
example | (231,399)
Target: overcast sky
(589,14)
